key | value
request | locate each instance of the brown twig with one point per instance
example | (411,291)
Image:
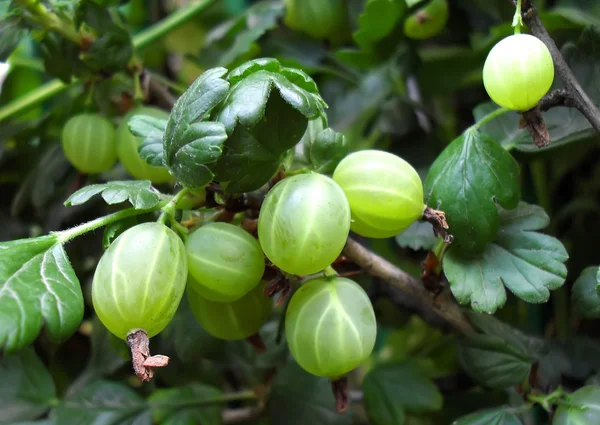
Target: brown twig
(442,304)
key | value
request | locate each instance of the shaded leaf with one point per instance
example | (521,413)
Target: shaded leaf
(103,402)
(419,235)
(466,181)
(169,405)
(327,150)
(378,19)
(38,287)
(61,57)
(528,263)
(139,193)
(582,408)
(27,387)
(113,230)
(501,416)
(391,390)
(12,33)
(585,296)
(151,129)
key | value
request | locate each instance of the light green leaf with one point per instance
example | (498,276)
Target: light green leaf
(27,387)
(327,150)
(38,287)
(466,181)
(140,194)
(169,405)
(152,130)
(585,296)
(528,263)
(101,403)
(395,389)
(501,416)
(582,408)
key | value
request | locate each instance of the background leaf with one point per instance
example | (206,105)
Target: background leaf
(583,408)
(528,263)
(186,404)
(585,297)
(419,235)
(140,194)
(501,416)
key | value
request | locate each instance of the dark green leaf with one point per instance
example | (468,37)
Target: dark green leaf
(12,31)
(101,403)
(378,20)
(151,130)
(528,263)
(253,156)
(466,181)
(61,57)
(183,405)
(113,230)
(394,389)
(327,150)
(111,52)
(582,408)
(418,236)
(27,388)
(501,416)
(585,296)
(38,287)
(298,398)
(139,193)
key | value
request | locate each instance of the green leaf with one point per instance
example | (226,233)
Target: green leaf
(418,236)
(501,357)
(139,193)
(183,405)
(582,408)
(113,230)
(503,129)
(252,85)
(528,263)
(585,296)
(327,150)
(61,57)
(12,32)
(27,387)
(103,402)
(299,398)
(253,156)
(395,389)
(38,287)
(466,181)
(151,130)
(501,416)
(378,19)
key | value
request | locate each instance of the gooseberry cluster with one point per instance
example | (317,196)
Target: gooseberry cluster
(92,145)
(302,228)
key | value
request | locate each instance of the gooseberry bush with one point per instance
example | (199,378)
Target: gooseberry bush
(299,212)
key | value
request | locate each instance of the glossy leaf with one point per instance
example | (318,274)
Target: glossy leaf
(38,287)
(582,408)
(103,402)
(327,150)
(298,398)
(585,295)
(502,416)
(140,194)
(466,181)
(395,389)
(27,387)
(378,19)
(253,156)
(528,263)
(418,236)
(151,130)
(169,406)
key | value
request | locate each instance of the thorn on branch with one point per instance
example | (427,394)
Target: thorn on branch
(440,225)
(535,124)
(143,362)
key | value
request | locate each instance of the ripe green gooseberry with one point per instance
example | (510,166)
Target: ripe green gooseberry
(304,223)
(88,141)
(225,261)
(330,326)
(427,21)
(231,320)
(385,192)
(140,280)
(518,72)
(127,149)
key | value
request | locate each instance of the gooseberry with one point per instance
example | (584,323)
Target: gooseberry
(518,72)
(304,223)
(427,21)
(140,280)
(385,192)
(88,141)
(238,319)
(225,261)
(127,149)
(330,326)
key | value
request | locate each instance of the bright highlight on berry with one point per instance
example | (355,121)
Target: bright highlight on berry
(518,72)
(385,192)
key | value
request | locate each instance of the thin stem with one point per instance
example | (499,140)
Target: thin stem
(33,98)
(518,19)
(330,272)
(49,20)
(222,399)
(67,235)
(489,117)
(178,88)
